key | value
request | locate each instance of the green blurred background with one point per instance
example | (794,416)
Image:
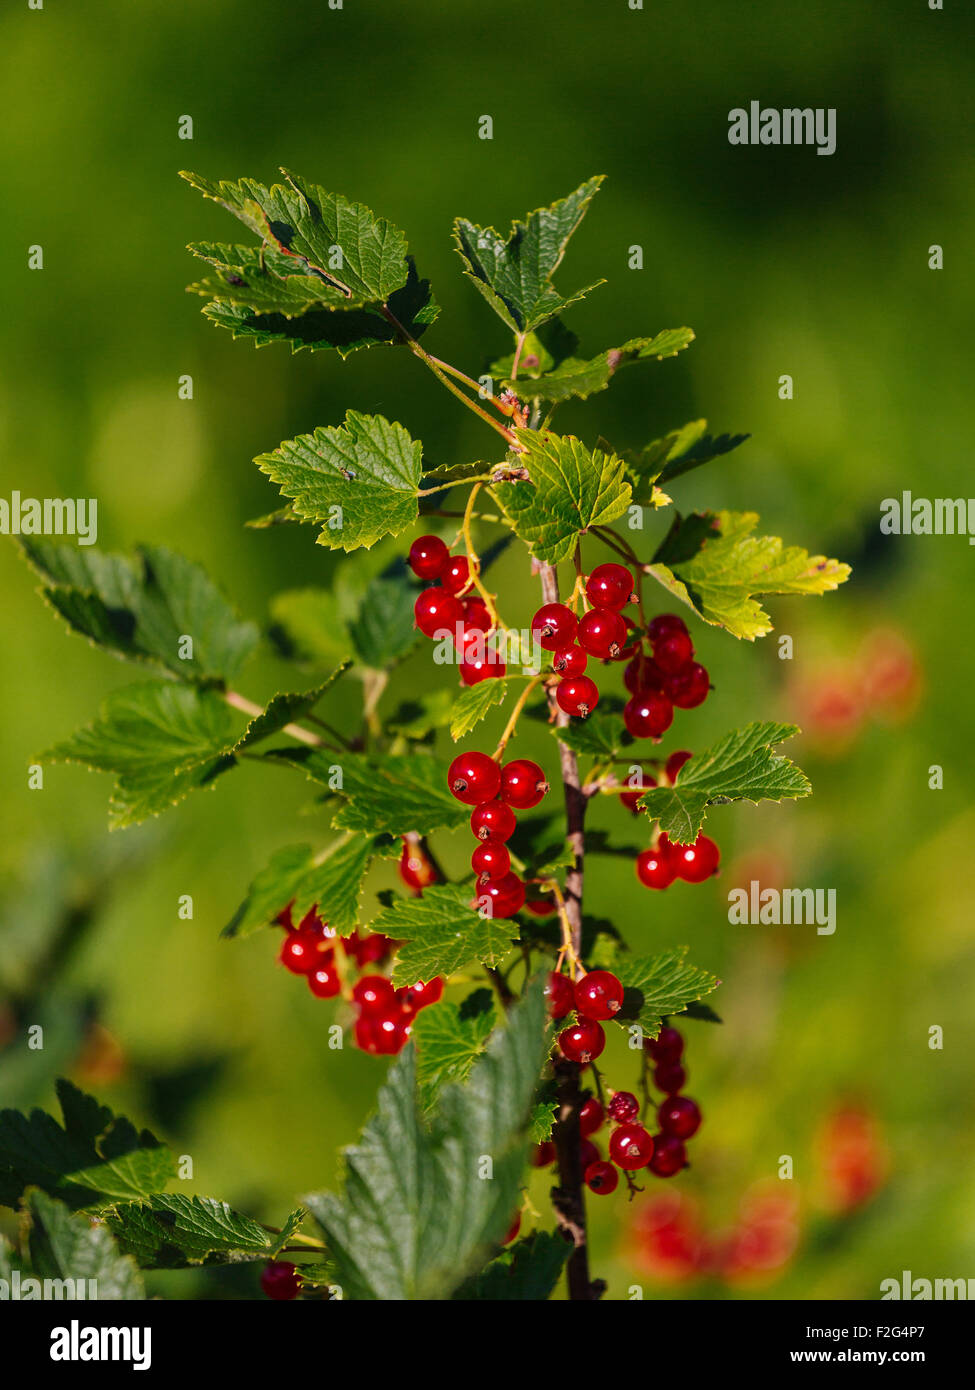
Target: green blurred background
(782,262)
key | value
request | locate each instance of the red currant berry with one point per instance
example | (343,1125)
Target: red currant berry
(669,1156)
(491,860)
(543,1154)
(623,1107)
(513,1229)
(570,661)
(679,1116)
(493,820)
(674,764)
(642,675)
(555,626)
(374,994)
(655,869)
(474,671)
(669,1077)
(694,863)
(280,1280)
(415,868)
(609,586)
(457,577)
(523,784)
(473,778)
(648,715)
(577,695)
(283,918)
(501,897)
(598,994)
(324,982)
(299,952)
(540,907)
(663,625)
(413,998)
(591,1117)
(673,652)
(582,1042)
(602,632)
(588,1153)
(437,611)
(631,799)
(601,1177)
(559,994)
(630,1146)
(476,615)
(392,1031)
(367,950)
(667,1046)
(428,557)
(689,687)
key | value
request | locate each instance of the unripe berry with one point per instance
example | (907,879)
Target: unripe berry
(669,1077)
(554,625)
(694,863)
(570,661)
(673,652)
(474,778)
(655,869)
(501,897)
(591,1117)
(493,820)
(679,1116)
(601,1177)
(609,586)
(577,695)
(648,715)
(280,1280)
(623,1107)
(435,610)
(559,995)
(689,687)
(428,557)
(669,1156)
(630,1147)
(456,577)
(667,1046)
(523,784)
(582,1042)
(598,994)
(602,632)
(663,625)
(491,860)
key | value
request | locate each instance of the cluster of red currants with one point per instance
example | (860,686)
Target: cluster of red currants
(496,792)
(664,862)
(602,632)
(669,677)
(385,1014)
(447,610)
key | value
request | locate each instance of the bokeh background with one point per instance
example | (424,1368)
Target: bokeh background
(782,262)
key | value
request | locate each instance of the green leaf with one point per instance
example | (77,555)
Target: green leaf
(680,451)
(262,279)
(69,1247)
(442,931)
(143,607)
(739,767)
(542,1121)
(331,880)
(310,225)
(94,1159)
(568,490)
(161,740)
(529,1269)
(418,1213)
(448,1042)
(577,377)
(599,734)
(392,795)
(307,626)
(384,632)
(284,709)
(473,703)
(515,277)
(656,987)
(713,563)
(358,481)
(172,1232)
(334,330)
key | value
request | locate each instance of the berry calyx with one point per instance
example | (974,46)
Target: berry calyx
(435,610)
(663,625)
(570,661)
(559,995)
(679,1116)
(457,577)
(324,982)
(655,869)
(602,632)
(669,1077)
(598,994)
(673,652)
(667,1046)
(688,688)
(669,1156)
(623,1107)
(630,1147)
(493,820)
(501,897)
(374,994)
(609,586)
(474,778)
(674,764)
(280,1280)
(577,695)
(491,859)
(591,1117)
(428,557)
(648,715)
(694,863)
(582,1042)
(555,626)
(601,1177)
(523,784)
